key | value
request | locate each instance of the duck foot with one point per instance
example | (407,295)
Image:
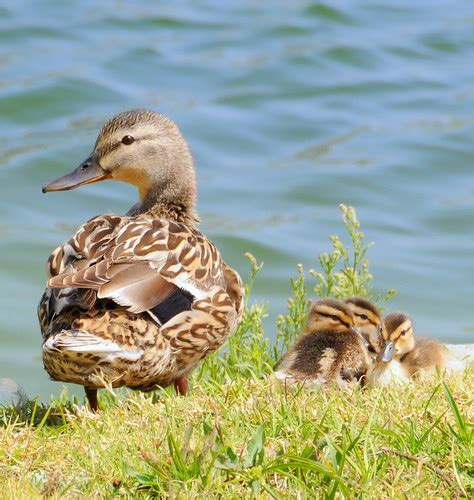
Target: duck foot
(92,398)
(181,386)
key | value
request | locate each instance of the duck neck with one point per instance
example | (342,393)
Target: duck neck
(166,202)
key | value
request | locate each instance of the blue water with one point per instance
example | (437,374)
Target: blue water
(290,108)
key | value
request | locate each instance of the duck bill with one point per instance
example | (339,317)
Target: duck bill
(387,352)
(87,172)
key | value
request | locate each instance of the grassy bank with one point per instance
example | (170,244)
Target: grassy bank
(240,434)
(249,437)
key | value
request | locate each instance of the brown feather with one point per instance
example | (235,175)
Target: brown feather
(139,287)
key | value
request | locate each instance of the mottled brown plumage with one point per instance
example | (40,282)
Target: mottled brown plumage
(137,300)
(330,350)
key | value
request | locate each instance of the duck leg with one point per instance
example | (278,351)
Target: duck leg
(92,398)
(181,386)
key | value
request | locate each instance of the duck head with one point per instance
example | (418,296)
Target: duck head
(142,148)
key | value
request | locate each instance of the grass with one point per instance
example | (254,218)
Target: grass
(239,434)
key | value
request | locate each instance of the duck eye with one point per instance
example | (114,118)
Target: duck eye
(363,316)
(127,140)
(404,332)
(334,317)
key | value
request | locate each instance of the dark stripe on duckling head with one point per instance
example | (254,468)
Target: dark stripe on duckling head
(333,316)
(365,315)
(332,307)
(362,306)
(397,324)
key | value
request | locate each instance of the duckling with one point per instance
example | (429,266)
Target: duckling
(402,356)
(330,350)
(368,321)
(137,300)
(398,340)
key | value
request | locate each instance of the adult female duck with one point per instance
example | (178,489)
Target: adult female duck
(137,300)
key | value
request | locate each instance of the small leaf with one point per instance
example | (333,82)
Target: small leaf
(254,454)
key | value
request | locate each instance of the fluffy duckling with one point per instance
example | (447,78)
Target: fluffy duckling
(425,358)
(331,349)
(368,321)
(137,300)
(398,340)
(402,356)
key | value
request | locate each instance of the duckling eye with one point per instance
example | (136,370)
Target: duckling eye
(404,332)
(334,317)
(127,140)
(363,316)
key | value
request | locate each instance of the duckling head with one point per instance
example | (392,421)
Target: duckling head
(142,148)
(329,315)
(368,320)
(398,336)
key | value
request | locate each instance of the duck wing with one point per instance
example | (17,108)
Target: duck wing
(137,262)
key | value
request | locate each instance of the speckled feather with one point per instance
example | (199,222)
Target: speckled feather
(114,340)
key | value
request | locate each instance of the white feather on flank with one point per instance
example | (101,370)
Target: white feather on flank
(183,281)
(77,341)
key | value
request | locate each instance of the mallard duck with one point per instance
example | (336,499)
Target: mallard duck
(137,300)
(368,321)
(331,349)
(403,356)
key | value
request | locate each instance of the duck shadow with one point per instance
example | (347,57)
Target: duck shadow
(25,410)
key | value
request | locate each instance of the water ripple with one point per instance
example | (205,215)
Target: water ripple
(290,108)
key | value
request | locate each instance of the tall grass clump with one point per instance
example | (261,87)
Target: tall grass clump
(240,434)
(345,271)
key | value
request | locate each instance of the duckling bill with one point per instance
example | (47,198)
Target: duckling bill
(139,299)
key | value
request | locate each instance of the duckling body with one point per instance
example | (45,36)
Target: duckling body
(425,358)
(330,350)
(137,300)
